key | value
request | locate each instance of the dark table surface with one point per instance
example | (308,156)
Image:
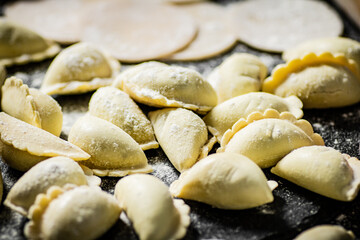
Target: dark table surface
(294,208)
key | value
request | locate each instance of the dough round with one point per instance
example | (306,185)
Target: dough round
(134,32)
(269,25)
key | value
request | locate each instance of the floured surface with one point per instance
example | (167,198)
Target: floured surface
(134,32)
(269,25)
(214,34)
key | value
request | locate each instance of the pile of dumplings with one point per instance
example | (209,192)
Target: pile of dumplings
(255,123)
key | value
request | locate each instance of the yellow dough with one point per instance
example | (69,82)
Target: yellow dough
(19,45)
(31,106)
(117,107)
(151,209)
(323,170)
(320,81)
(56,171)
(23,145)
(225,180)
(267,137)
(79,213)
(169,86)
(223,116)
(239,74)
(113,151)
(79,68)
(326,232)
(182,135)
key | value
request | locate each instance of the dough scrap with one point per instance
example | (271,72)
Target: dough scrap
(60,21)
(223,116)
(239,74)
(79,68)
(269,25)
(56,171)
(181,134)
(267,137)
(214,34)
(322,170)
(225,180)
(24,145)
(113,152)
(19,45)
(151,209)
(117,107)
(169,86)
(79,213)
(326,232)
(136,32)
(31,106)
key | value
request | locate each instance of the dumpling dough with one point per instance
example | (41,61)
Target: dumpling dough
(31,106)
(182,135)
(169,86)
(239,74)
(323,170)
(56,171)
(113,151)
(23,145)
(117,107)
(320,81)
(326,232)
(266,138)
(225,180)
(223,116)
(79,213)
(79,68)
(151,209)
(19,45)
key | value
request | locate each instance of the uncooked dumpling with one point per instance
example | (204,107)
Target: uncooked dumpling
(151,209)
(169,86)
(19,45)
(182,135)
(23,145)
(79,68)
(223,116)
(113,151)
(31,106)
(267,137)
(225,180)
(56,171)
(117,107)
(79,213)
(323,170)
(239,74)
(326,232)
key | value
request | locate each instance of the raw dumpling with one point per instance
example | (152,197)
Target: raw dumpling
(182,135)
(326,232)
(239,74)
(79,213)
(151,209)
(323,170)
(113,151)
(320,81)
(169,86)
(225,180)
(117,107)
(23,145)
(31,106)
(79,68)
(223,116)
(266,138)
(19,45)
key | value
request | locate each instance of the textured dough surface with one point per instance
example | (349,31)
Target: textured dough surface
(224,180)
(323,170)
(326,232)
(151,209)
(261,23)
